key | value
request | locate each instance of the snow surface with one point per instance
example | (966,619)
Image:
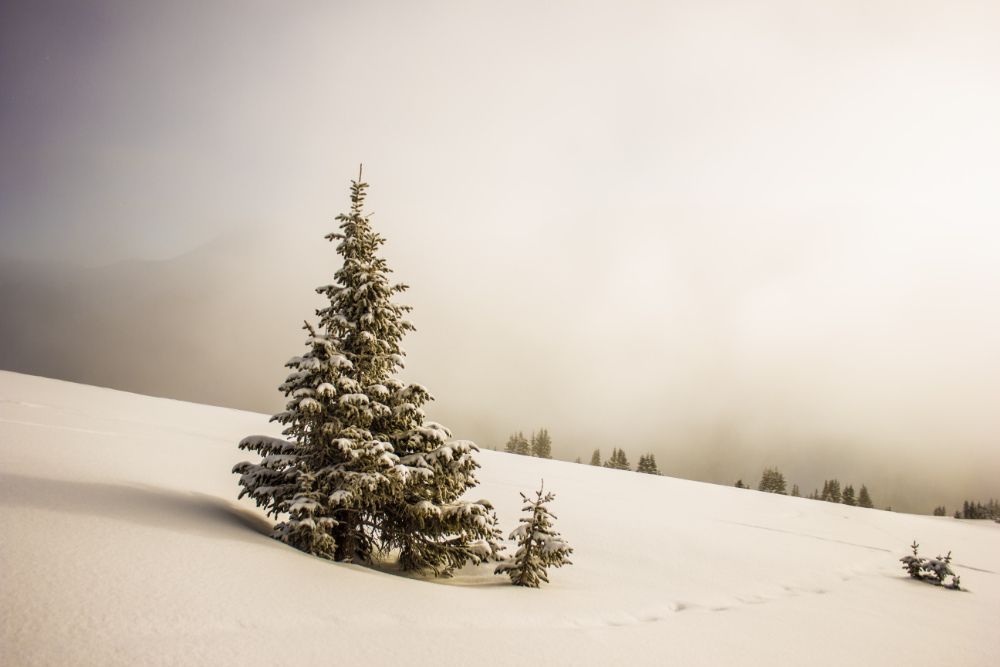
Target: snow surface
(123,544)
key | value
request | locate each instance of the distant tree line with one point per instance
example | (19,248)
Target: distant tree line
(977,510)
(540,444)
(773,481)
(619,461)
(973,510)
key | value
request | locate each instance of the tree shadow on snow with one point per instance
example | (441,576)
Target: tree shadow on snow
(190,513)
(471,576)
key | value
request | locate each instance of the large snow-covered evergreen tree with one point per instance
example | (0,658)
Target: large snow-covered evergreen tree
(331,475)
(427,521)
(362,471)
(539,546)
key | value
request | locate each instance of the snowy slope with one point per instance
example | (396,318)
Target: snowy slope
(123,544)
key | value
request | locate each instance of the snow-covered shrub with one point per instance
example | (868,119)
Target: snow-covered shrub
(913,563)
(932,570)
(539,546)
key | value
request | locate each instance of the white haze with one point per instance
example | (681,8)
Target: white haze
(733,236)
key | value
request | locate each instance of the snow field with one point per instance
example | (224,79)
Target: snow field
(123,544)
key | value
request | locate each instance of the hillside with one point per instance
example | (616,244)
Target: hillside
(123,544)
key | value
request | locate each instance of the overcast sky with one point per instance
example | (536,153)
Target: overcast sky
(692,228)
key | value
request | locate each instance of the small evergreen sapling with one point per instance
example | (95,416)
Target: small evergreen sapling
(932,570)
(539,546)
(912,563)
(939,568)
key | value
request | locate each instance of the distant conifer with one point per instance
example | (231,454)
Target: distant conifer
(647,464)
(541,444)
(518,444)
(831,491)
(772,481)
(618,460)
